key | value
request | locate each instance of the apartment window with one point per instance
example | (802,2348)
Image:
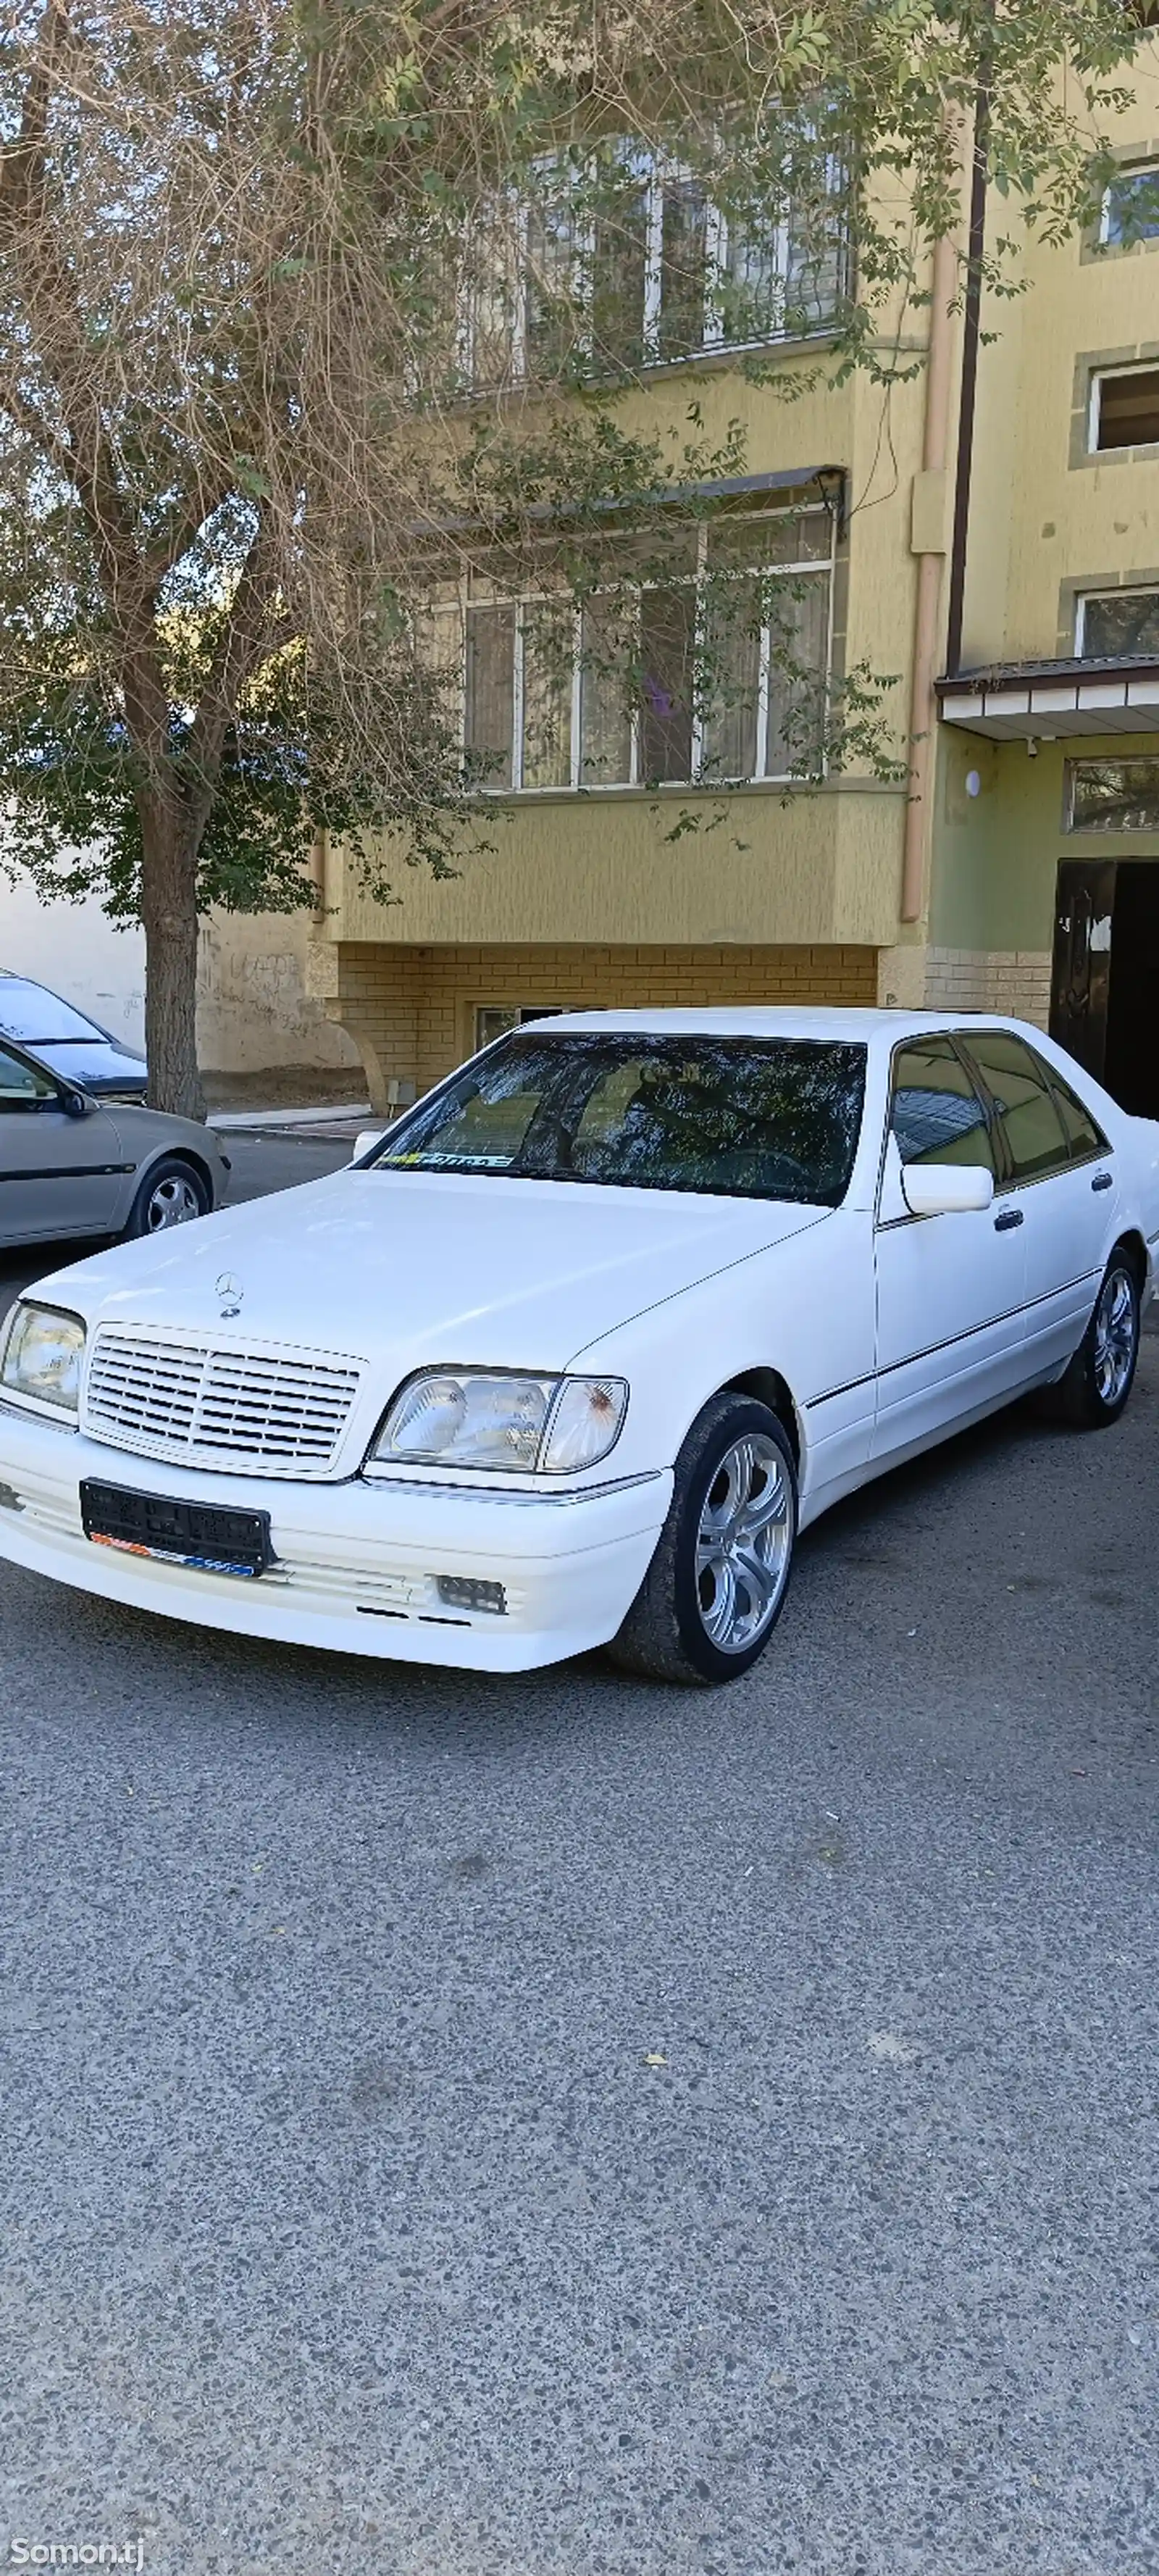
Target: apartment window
(489,693)
(1112,796)
(711,667)
(1112,622)
(629,265)
(1124,409)
(1131,207)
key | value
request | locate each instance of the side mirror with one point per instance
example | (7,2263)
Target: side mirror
(75,1104)
(947,1189)
(362,1144)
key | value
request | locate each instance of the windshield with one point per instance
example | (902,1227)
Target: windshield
(30,1013)
(774,1118)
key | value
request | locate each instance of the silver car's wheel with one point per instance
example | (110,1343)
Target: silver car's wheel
(172,1202)
(1116,1326)
(743,1545)
(173,1193)
(716,1584)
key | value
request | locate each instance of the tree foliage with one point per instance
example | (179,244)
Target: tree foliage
(310,306)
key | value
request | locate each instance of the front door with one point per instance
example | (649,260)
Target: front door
(950,1289)
(1106,974)
(1081,976)
(58,1175)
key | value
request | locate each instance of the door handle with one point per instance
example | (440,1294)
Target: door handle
(1009,1218)
(1103,1181)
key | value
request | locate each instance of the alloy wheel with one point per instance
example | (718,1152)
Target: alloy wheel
(743,1544)
(1115,1335)
(174,1202)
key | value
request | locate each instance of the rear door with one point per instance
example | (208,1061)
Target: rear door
(950,1289)
(1059,1176)
(58,1175)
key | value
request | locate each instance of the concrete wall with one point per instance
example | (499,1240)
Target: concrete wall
(1047,520)
(763,867)
(255,1012)
(74,949)
(1046,517)
(999,851)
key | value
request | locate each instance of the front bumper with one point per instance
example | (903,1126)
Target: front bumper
(357,1564)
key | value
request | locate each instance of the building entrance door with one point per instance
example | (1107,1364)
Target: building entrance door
(1105,981)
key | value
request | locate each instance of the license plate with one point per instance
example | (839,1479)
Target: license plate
(212,1537)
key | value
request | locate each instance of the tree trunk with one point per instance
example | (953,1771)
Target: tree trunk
(169,914)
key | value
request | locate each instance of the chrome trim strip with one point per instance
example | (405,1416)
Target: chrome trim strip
(506,1493)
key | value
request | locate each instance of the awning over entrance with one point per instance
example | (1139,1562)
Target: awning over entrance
(1025,701)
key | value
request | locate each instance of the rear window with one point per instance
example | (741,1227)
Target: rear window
(777,1118)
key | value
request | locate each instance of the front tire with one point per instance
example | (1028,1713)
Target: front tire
(172,1193)
(1095,1387)
(716,1585)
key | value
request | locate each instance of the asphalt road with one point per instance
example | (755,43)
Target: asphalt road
(561,2127)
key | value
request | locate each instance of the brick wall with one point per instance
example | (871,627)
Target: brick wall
(411,1011)
(972,979)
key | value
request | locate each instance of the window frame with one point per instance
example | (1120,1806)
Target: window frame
(1115,375)
(1101,831)
(993,1130)
(821,568)
(1085,599)
(49,1098)
(658,175)
(521,1015)
(1148,168)
(1072,1162)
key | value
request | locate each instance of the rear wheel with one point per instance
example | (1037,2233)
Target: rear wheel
(1098,1382)
(172,1193)
(716,1585)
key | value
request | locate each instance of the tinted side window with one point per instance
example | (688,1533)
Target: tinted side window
(936,1114)
(1019,1085)
(1082,1135)
(21,1086)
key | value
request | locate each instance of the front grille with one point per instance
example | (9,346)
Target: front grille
(269,1413)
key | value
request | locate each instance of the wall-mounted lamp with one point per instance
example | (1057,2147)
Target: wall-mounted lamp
(973,782)
(830,482)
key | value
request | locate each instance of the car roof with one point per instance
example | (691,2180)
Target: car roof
(754,1019)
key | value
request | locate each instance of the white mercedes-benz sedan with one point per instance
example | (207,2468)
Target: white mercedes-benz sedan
(574,1350)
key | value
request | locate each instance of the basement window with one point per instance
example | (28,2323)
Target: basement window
(494,1019)
(1124,409)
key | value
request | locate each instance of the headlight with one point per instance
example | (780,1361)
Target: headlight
(42,1356)
(480,1418)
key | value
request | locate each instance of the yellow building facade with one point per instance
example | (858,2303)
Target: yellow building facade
(943,891)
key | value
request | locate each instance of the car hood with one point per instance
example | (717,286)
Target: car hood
(89,1062)
(399,1269)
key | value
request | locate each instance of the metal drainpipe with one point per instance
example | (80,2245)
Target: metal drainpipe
(971,334)
(943,282)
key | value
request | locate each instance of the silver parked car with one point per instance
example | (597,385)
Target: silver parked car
(76,1048)
(72,1165)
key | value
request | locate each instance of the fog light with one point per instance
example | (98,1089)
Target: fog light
(468,1592)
